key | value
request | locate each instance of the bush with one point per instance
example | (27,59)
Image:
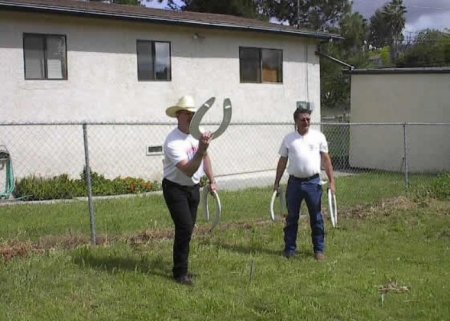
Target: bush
(39,188)
(440,187)
(62,187)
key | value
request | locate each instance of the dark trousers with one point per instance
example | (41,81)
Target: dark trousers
(182,202)
(310,191)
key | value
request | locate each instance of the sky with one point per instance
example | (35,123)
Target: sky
(421,14)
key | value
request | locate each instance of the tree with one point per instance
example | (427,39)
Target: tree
(353,27)
(431,49)
(323,15)
(335,85)
(378,30)
(241,8)
(386,27)
(394,14)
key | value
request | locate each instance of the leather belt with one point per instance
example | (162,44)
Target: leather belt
(304,179)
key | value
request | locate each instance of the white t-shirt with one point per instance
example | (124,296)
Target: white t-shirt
(303,152)
(179,146)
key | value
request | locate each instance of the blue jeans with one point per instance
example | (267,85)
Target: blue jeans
(311,192)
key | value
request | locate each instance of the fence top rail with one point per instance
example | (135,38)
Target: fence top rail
(384,124)
(212,123)
(84,123)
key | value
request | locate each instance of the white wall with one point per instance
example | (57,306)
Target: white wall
(102,83)
(400,98)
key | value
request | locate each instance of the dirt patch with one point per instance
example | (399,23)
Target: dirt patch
(386,207)
(8,252)
(13,249)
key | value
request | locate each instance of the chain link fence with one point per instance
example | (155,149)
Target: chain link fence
(244,157)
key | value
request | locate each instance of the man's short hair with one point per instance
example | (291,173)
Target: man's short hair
(301,111)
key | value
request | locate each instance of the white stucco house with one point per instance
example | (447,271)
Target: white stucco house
(68,61)
(409,109)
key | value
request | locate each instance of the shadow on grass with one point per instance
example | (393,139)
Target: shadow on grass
(249,249)
(112,263)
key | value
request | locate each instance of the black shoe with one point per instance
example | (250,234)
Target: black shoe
(289,254)
(184,279)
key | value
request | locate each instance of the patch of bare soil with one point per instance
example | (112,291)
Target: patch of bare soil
(13,249)
(386,207)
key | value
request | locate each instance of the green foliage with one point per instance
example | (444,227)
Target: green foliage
(353,27)
(438,188)
(353,50)
(335,85)
(430,49)
(321,15)
(240,8)
(63,187)
(39,188)
(232,7)
(385,55)
(378,31)
(387,24)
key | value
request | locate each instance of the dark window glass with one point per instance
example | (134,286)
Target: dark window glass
(44,56)
(272,65)
(153,59)
(261,65)
(250,64)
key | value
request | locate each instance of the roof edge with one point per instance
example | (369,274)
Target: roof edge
(417,70)
(151,18)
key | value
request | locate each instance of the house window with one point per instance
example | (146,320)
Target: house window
(45,56)
(153,60)
(261,65)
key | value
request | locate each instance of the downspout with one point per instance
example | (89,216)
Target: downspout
(339,62)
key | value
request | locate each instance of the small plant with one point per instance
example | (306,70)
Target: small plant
(440,187)
(39,188)
(63,187)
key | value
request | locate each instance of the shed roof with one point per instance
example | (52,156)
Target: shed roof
(159,16)
(418,70)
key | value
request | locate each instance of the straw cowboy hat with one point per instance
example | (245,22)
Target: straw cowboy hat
(184,103)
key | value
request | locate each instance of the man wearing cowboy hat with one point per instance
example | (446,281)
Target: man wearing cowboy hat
(185,162)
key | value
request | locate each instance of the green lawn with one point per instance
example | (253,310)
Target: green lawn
(388,260)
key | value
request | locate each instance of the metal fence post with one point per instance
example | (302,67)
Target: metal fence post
(89,185)
(405,154)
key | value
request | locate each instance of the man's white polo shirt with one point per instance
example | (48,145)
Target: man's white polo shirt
(303,152)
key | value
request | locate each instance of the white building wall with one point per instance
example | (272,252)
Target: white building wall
(102,85)
(400,98)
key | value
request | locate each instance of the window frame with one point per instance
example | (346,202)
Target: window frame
(44,37)
(260,72)
(153,56)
